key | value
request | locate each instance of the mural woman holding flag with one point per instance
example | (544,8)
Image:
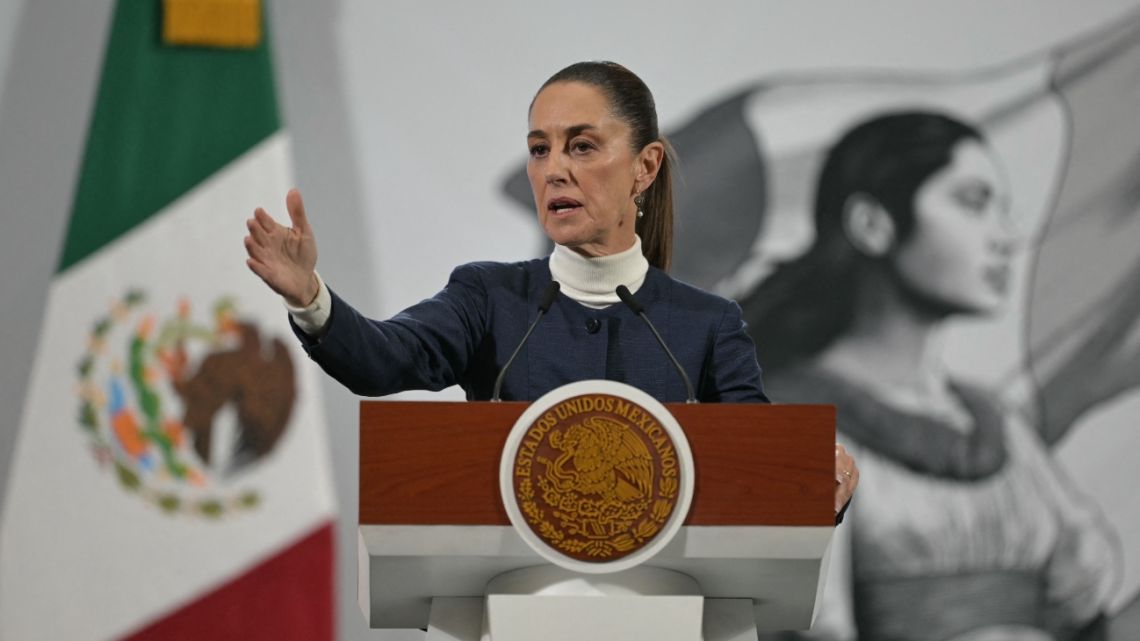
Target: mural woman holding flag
(966,528)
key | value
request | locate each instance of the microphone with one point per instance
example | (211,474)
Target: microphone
(544,304)
(637,308)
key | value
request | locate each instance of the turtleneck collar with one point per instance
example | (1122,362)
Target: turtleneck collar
(592,281)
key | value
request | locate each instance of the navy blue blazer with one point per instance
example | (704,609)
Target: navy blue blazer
(464,334)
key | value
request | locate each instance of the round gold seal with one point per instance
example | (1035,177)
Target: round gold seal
(596,477)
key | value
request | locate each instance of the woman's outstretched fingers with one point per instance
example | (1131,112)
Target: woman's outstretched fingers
(257,234)
(257,267)
(254,249)
(296,207)
(264,220)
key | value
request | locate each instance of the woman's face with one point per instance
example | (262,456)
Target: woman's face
(582,170)
(959,253)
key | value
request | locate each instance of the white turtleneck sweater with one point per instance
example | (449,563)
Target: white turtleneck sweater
(591,281)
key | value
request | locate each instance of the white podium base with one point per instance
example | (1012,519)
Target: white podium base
(402,567)
(552,604)
(574,618)
(456,619)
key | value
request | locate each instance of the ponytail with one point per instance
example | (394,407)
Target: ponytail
(656,227)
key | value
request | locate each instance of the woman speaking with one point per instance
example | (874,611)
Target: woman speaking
(600,173)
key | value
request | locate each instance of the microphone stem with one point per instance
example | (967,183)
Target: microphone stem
(503,372)
(691,398)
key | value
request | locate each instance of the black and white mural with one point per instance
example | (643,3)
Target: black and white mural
(954,262)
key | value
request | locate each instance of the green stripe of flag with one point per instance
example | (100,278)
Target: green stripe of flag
(165,119)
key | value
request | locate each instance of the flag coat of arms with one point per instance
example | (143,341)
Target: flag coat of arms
(170,478)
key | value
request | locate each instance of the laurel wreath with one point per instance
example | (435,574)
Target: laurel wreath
(636,536)
(211,506)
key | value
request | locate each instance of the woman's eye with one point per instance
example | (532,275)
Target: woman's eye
(581,147)
(977,205)
(975,200)
(538,151)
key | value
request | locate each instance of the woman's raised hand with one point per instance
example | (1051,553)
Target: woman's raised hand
(284,257)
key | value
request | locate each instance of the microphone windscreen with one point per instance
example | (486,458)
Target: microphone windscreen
(629,300)
(548,296)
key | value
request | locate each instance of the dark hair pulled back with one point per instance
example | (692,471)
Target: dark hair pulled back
(808,302)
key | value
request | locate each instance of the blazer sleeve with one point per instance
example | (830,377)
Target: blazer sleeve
(732,374)
(427,346)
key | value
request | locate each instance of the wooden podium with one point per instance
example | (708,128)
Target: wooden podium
(434,532)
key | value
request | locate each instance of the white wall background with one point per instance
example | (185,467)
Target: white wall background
(408,115)
(438,96)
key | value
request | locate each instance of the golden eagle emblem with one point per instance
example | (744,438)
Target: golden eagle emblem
(596,477)
(608,461)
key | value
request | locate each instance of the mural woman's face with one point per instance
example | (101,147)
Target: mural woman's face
(959,253)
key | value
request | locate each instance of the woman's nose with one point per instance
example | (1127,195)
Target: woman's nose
(1006,240)
(1007,236)
(556,169)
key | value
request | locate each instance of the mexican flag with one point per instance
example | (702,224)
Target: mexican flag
(171,479)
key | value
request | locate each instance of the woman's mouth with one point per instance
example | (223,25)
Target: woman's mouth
(562,206)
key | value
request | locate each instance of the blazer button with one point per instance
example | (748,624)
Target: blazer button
(593,326)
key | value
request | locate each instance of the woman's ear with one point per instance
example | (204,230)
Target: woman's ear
(648,163)
(868,226)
